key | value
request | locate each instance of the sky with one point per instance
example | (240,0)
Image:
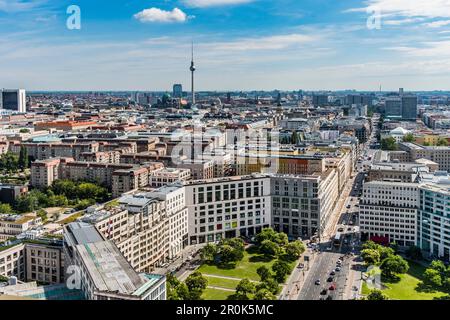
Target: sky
(239,44)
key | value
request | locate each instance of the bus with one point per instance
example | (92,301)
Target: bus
(337,240)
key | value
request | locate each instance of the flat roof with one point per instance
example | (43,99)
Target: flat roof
(84,233)
(108,268)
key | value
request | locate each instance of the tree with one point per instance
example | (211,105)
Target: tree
(294,250)
(281,269)
(9,162)
(269,248)
(281,239)
(266,234)
(377,295)
(389,144)
(394,265)
(432,277)
(226,253)
(442,142)
(385,252)
(5,208)
(196,284)
(244,289)
(269,284)
(264,273)
(23,160)
(370,245)
(264,294)
(439,266)
(371,256)
(409,137)
(208,253)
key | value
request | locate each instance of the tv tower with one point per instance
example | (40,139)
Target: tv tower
(192,68)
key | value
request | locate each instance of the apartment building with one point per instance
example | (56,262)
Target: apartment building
(138,227)
(42,151)
(119,177)
(302,205)
(278,164)
(103,271)
(227,207)
(200,169)
(165,176)
(433,223)
(396,171)
(39,260)
(13,225)
(12,261)
(440,155)
(44,263)
(389,212)
(174,197)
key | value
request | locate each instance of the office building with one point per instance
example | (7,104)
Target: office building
(177,91)
(388,212)
(409,107)
(104,273)
(13,100)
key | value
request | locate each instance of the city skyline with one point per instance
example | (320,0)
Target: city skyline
(240,45)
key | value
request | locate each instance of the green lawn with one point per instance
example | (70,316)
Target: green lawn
(243,269)
(409,287)
(216,294)
(222,283)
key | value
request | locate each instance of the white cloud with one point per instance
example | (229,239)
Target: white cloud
(410,8)
(19,5)
(158,15)
(437,24)
(265,43)
(213,3)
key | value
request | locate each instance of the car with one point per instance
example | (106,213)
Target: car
(323,292)
(351,223)
(330,279)
(332,287)
(349,206)
(332,273)
(341,230)
(329,298)
(337,269)
(317,282)
(349,229)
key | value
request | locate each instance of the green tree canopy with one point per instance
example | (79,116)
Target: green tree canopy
(377,295)
(294,250)
(196,284)
(394,265)
(244,289)
(281,269)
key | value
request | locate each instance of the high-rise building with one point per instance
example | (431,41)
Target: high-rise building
(14,100)
(393,108)
(177,90)
(409,107)
(320,100)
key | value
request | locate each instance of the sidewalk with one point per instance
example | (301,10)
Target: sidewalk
(294,284)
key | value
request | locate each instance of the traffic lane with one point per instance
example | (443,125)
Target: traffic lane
(321,271)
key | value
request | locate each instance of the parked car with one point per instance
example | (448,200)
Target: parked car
(317,282)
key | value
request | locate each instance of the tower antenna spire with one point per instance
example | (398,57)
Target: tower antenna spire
(192,68)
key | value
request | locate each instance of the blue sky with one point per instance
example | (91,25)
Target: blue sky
(240,44)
